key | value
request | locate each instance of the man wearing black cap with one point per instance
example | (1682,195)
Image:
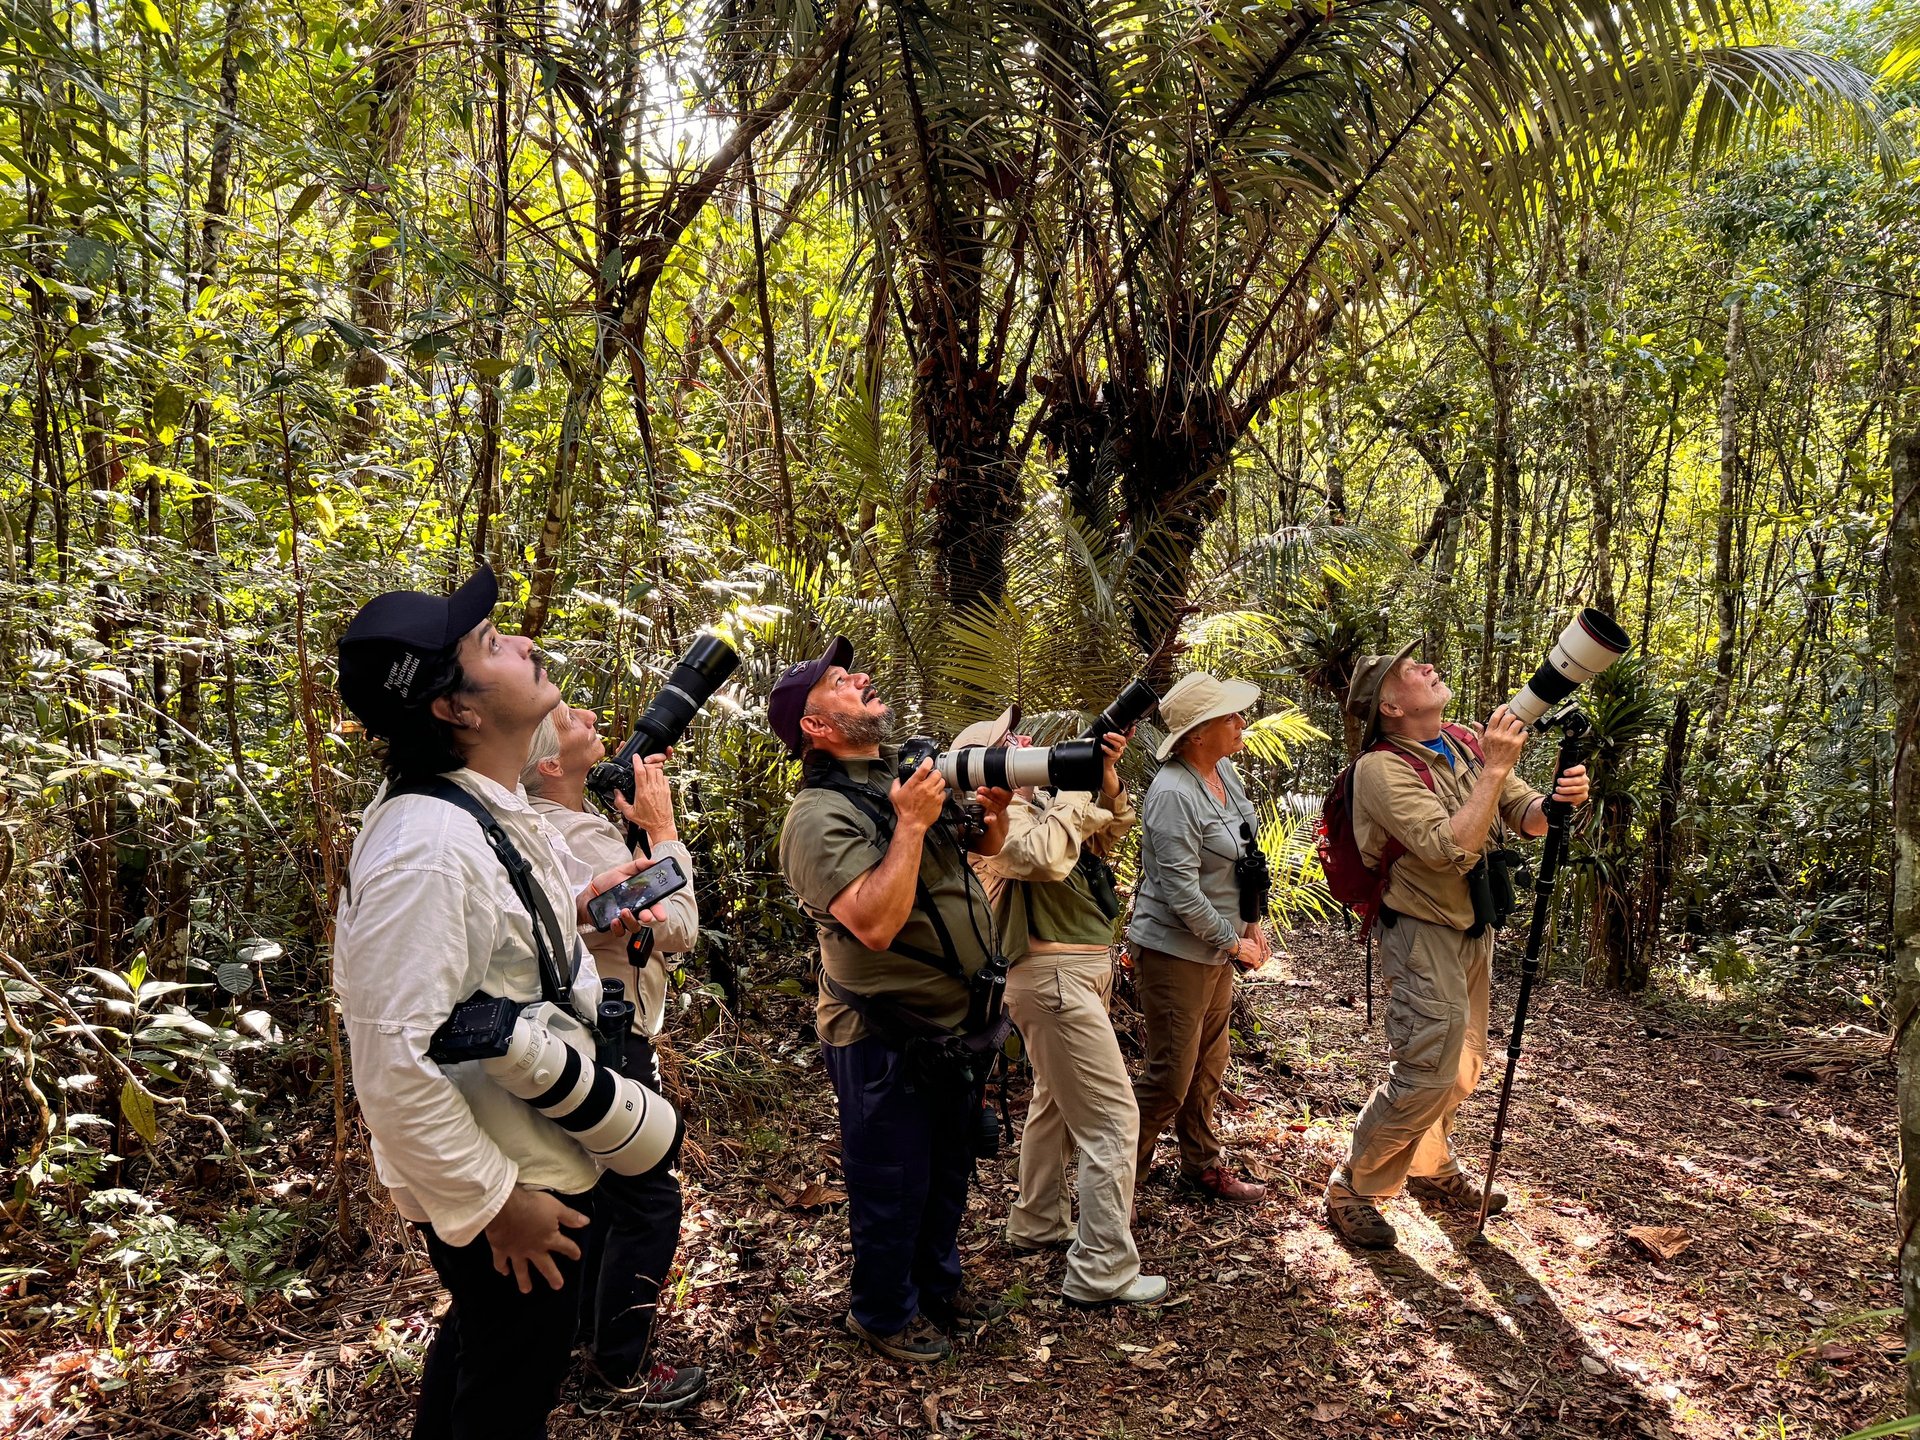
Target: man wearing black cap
(429,917)
(903,927)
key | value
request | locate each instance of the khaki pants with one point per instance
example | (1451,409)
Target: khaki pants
(1081,1098)
(1437,1034)
(1186,1005)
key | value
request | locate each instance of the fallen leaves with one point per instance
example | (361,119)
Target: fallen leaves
(1662,1242)
(815,1195)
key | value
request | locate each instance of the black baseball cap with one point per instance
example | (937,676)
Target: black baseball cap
(397,651)
(788,702)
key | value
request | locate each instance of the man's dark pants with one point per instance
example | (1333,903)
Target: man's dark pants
(635,1237)
(906,1156)
(495,1368)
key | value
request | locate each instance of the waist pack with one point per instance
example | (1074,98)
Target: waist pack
(1350,880)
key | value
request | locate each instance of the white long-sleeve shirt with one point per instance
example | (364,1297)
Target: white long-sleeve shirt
(429,918)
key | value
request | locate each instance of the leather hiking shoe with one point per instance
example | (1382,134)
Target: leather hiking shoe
(1144,1290)
(1357,1219)
(919,1344)
(1222,1184)
(963,1311)
(1458,1191)
(664,1388)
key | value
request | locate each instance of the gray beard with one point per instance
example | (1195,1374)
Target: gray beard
(863,729)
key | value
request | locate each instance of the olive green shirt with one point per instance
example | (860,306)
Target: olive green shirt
(1429,881)
(1041,899)
(826,844)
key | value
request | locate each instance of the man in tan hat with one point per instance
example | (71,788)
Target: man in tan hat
(1055,906)
(1429,800)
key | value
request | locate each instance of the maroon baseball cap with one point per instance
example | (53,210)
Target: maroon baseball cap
(395,652)
(788,702)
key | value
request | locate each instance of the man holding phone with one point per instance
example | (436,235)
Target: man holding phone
(429,917)
(632,1249)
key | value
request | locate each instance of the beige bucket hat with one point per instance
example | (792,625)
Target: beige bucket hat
(1363,691)
(1196,699)
(988,732)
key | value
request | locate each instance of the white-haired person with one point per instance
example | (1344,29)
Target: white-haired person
(632,1251)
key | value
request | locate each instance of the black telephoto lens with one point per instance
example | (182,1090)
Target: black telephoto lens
(1127,711)
(701,671)
(1076,765)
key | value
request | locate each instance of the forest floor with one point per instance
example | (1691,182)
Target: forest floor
(1700,1246)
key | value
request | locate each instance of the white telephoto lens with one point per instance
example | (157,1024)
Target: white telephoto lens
(626,1127)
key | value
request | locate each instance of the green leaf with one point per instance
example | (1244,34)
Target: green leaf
(304,201)
(151,17)
(137,1105)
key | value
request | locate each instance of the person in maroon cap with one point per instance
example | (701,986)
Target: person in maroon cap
(429,917)
(904,927)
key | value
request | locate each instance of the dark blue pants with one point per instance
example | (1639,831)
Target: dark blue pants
(635,1236)
(494,1369)
(906,1158)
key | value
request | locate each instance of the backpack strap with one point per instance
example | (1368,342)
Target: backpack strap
(554,987)
(832,775)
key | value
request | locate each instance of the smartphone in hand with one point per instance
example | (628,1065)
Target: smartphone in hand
(637,892)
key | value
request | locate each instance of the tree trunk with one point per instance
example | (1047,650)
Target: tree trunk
(1592,462)
(1903,570)
(201,539)
(1726,595)
(386,102)
(1662,845)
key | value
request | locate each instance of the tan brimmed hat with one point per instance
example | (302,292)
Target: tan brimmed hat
(1198,698)
(988,732)
(1363,691)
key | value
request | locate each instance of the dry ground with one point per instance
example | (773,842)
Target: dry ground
(1773,1156)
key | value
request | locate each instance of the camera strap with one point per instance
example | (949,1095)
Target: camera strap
(555,988)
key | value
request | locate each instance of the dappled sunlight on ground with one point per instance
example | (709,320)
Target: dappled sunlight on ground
(1559,1324)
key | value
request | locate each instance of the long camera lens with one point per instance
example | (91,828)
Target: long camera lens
(1585,648)
(620,1122)
(701,671)
(1071,765)
(1127,711)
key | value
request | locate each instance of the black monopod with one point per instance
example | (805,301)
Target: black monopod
(1585,648)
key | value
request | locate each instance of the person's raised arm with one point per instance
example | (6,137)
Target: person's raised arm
(1502,741)
(875,906)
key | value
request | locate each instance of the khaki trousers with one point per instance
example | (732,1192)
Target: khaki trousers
(1186,1005)
(1437,1035)
(1081,1099)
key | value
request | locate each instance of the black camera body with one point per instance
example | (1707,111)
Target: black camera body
(480,1028)
(701,671)
(965,815)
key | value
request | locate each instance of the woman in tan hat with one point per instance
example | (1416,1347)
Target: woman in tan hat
(1186,936)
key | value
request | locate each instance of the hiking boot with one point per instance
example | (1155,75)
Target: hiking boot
(1358,1220)
(1458,1191)
(1143,1290)
(963,1311)
(1222,1184)
(662,1389)
(919,1344)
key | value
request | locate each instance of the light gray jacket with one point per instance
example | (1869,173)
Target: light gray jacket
(1188,903)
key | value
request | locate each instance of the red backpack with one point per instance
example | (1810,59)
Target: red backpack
(1350,880)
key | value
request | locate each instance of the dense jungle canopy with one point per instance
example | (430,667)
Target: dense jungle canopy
(1036,345)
